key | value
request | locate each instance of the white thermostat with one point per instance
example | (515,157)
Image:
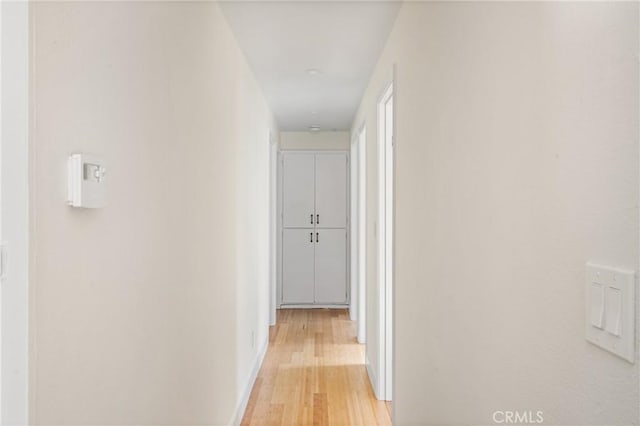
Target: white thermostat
(87,186)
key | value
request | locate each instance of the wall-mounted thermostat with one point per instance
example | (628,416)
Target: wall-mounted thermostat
(87,186)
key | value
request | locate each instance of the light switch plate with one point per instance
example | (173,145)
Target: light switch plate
(610,310)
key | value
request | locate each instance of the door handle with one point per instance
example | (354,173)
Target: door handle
(317,239)
(317,219)
(311,236)
(312,218)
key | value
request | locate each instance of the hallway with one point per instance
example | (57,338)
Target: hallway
(314,373)
(234,212)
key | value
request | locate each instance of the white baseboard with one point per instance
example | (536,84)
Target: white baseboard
(372,377)
(242,405)
(329,306)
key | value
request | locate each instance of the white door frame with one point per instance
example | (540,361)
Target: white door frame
(354,305)
(273,227)
(359,232)
(14,180)
(362,233)
(386,210)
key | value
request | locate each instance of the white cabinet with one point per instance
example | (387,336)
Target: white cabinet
(298,246)
(314,228)
(298,201)
(331,190)
(331,266)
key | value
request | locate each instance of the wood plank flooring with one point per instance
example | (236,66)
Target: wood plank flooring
(314,374)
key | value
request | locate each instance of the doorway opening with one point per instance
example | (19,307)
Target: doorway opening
(386,240)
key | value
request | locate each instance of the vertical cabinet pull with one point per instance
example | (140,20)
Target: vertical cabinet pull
(317,219)
(311,236)
(312,218)
(317,240)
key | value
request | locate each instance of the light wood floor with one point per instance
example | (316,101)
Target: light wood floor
(314,374)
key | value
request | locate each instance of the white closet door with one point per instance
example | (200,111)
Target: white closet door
(298,246)
(331,190)
(331,266)
(298,204)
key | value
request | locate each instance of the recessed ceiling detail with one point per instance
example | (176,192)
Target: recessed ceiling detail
(312,59)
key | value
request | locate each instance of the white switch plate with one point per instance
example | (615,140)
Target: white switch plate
(610,310)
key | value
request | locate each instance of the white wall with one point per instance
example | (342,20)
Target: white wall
(315,141)
(517,162)
(142,312)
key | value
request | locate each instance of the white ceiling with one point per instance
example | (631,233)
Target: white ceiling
(284,39)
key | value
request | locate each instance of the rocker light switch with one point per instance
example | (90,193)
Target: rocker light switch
(614,310)
(610,310)
(597,305)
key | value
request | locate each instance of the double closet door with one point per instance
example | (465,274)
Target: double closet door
(314,228)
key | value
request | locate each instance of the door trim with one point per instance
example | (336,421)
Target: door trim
(354,306)
(15,131)
(361,232)
(386,252)
(273,227)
